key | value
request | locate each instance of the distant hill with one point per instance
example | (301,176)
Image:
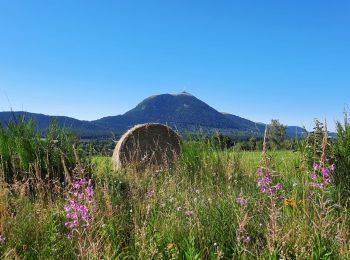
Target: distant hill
(185,113)
(182,111)
(84,129)
(252,126)
(291,131)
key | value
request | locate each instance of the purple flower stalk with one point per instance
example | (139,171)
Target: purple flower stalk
(325,173)
(77,210)
(2,238)
(241,200)
(264,183)
(278,186)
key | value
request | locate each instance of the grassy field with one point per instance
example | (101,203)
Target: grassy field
(211,204)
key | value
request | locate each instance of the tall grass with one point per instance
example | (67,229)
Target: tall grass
(207,206)
(27,155)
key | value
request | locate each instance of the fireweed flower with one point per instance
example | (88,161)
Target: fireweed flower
(80,199)
(322,176)
(273,191)
(241,200)
(275,188)
(264,183)
(332,167)
(278,186)
(281,198)
(2,238)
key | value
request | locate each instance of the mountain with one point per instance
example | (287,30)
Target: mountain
(255,127)
(84,129)
(291,131)
(185,113)
(294,131)
(182,111)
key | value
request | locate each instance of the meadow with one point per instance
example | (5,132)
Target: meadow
(57,201)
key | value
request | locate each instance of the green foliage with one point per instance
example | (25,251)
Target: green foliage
(276,134)
(255,144)
(187,212)
(321,250)
(24,154)
(341,150)
(311,145)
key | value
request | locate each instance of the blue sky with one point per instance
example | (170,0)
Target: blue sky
(257,59)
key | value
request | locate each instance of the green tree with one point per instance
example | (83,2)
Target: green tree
(252,143)
(314,143)
(276,134)
(342,155)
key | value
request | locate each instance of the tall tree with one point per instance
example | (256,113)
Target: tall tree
(276,134)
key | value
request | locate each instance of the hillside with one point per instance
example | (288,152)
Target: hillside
(185,113)
(84,129)
(182,111)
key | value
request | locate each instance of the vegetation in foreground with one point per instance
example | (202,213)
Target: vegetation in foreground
(57,202)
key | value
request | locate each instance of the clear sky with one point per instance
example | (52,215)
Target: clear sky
(257,59)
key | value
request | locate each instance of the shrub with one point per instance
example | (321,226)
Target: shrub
(342,156)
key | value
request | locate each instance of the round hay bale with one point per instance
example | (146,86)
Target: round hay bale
(147,145)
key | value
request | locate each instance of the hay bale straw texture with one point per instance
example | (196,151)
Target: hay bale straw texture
(147,145)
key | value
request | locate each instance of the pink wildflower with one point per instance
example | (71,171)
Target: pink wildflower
(77,210)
